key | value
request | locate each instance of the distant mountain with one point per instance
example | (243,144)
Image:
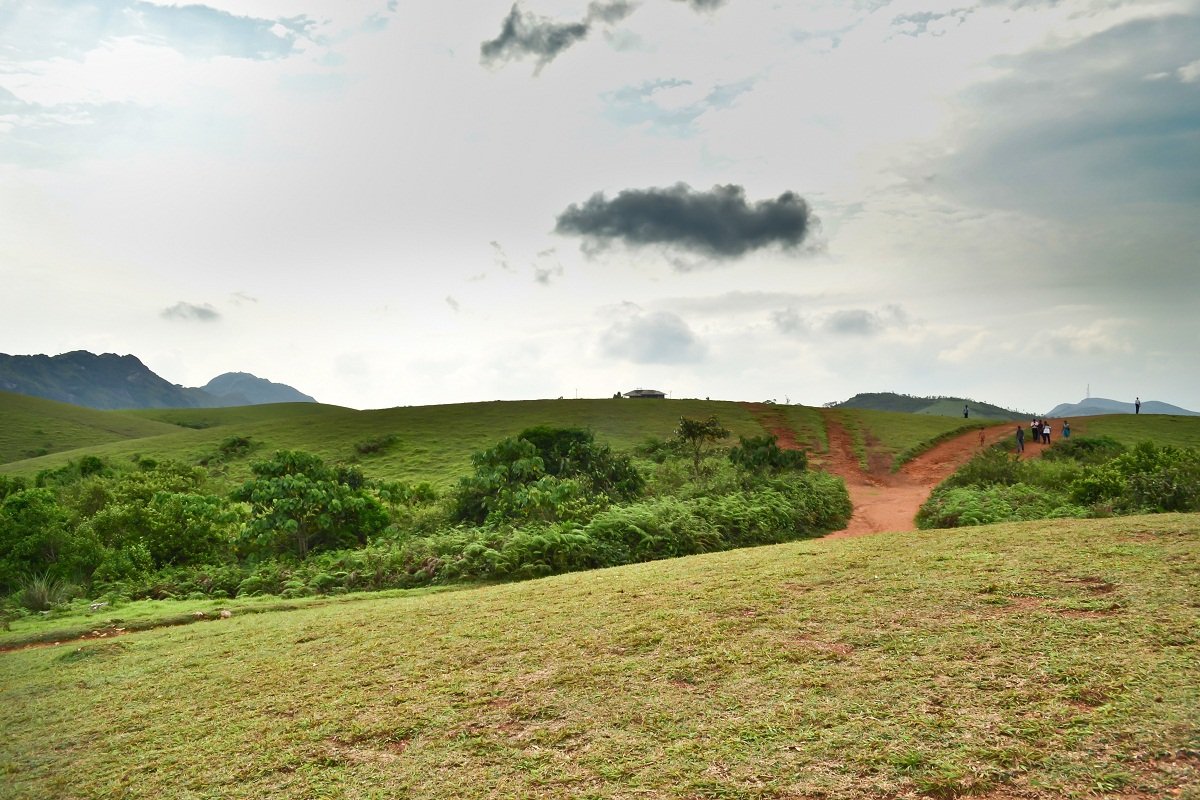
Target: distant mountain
(937,406)
(1094,406)
(252,390)
(110,381)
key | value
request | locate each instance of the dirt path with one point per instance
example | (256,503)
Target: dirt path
(885,500)
(888,501)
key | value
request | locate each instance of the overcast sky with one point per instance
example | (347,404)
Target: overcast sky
(432,201)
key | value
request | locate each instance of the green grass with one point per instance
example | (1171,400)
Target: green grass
(79,620)
(1129,429)
(34,426)
(888,439)
(433,443)
(1039,660)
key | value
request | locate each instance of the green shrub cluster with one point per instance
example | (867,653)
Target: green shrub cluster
(548,501)
(1079,477)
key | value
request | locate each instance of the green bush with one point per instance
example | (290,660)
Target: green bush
(1146,479)
(1090,450)
(984,505)
(994,466)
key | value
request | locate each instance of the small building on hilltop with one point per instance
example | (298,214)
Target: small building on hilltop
(653,394)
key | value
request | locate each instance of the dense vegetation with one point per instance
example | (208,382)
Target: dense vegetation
(1080,477)
(545,501)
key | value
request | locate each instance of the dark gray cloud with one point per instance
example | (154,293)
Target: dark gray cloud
(524,33)
(717,224)
(190,312)
(655,338)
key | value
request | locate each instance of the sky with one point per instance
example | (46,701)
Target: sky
(411,202)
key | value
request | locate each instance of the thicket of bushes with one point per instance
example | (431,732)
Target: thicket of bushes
(1083,477)
(547,501)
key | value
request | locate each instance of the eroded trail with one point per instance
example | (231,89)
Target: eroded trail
(888,501)
(885,500)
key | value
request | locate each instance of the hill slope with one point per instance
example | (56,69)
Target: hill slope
(1040,660)
(937,406)
(33,426)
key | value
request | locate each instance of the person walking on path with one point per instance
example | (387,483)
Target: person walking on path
(1137,405)
(1020,440)
(1066,429)
(1046,432)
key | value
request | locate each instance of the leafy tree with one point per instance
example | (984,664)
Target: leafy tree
(545,474)
(698,436)
(761,455)
(36,537)
(299,505)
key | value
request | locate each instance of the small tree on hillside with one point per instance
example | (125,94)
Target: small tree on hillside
(299,504)
(699,436)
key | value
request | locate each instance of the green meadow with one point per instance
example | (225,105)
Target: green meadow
(1035,660)
(423,443)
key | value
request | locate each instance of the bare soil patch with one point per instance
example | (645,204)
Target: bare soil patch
(888,501)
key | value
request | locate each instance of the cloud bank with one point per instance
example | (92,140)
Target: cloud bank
(717,224)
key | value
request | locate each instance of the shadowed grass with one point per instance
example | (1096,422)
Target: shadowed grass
(1040,660)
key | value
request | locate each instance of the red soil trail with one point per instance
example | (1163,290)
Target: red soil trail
(885,500)
(888,501)
(774,422)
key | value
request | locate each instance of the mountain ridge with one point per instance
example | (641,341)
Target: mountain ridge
(108,382)
(1095,406)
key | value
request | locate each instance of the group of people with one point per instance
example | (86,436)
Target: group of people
(1039,431)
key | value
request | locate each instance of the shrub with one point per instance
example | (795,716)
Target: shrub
(984,505)
(42,592)
(761,455)
(1085,450)
(1145,479)
(377,445)
(994,466)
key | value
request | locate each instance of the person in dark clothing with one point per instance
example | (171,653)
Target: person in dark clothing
(1020,440)
(966,412)
(1137,405)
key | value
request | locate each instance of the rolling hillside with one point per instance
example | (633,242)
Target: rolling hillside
(33,426)
(1037,661)
(936,406)
(435,443)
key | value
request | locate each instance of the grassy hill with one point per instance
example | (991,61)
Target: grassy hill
(33,426)
(1129,429)
(435,443)
(936,406)
(1039,660)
